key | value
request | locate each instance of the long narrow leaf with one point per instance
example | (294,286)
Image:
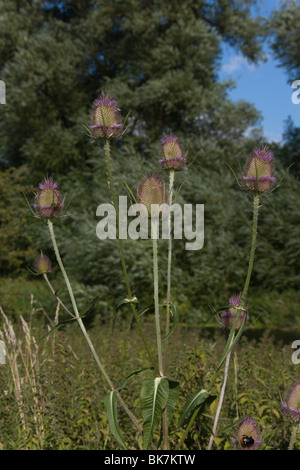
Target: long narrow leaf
(133,374)
(229,348)
(154,397)
(175,313)
(174,387)
(63,322)
(110,403)
(193,401)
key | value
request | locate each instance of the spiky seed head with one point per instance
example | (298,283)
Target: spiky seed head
(151,191)
(258,173)
(42,264)
(291,406)
(48,202)
(172,155)
(106,117)
(229,316)
(247,428)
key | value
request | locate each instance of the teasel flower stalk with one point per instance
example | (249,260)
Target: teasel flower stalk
(291,407)
(151,194)
(233,335)
(228,318)
(172,158)
(106,124)
(42,267)
(262,161)
(152,191)
(248,437)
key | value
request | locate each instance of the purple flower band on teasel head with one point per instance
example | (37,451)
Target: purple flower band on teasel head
(229,316)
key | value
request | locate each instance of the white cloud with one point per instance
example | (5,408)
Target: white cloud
(235,63)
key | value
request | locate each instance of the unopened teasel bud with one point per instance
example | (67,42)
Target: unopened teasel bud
(42,264)
(151,191)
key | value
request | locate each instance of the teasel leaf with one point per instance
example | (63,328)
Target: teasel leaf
(110,403)
(175,313)
(154,398)
(197,399)
(133,374)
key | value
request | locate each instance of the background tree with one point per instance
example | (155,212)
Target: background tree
(160,60)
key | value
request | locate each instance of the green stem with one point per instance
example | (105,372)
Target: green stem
(74,305)
(85,333)
(155,226)
(293,437)
(229,343)
(236,383)
(121,247)
(165,415)
(221,399)
(170,246)
(56,296)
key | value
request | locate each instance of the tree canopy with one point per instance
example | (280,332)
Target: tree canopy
(160,60)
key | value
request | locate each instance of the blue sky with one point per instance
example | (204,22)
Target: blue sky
(265,85)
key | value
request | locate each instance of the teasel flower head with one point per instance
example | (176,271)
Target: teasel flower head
(106,117)
(172,154)
(291,406)
(48,201)
(258,173)
(42,264)
(152,191)
(229,316)
(247,437)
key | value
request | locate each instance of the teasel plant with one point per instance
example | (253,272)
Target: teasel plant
(257,178)
(48,206)
(106,124)
(155,396)
(172,159)
(160,392)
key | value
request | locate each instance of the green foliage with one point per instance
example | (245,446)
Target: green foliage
(15,244)
(64,57)
(284,27)
(71,391)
